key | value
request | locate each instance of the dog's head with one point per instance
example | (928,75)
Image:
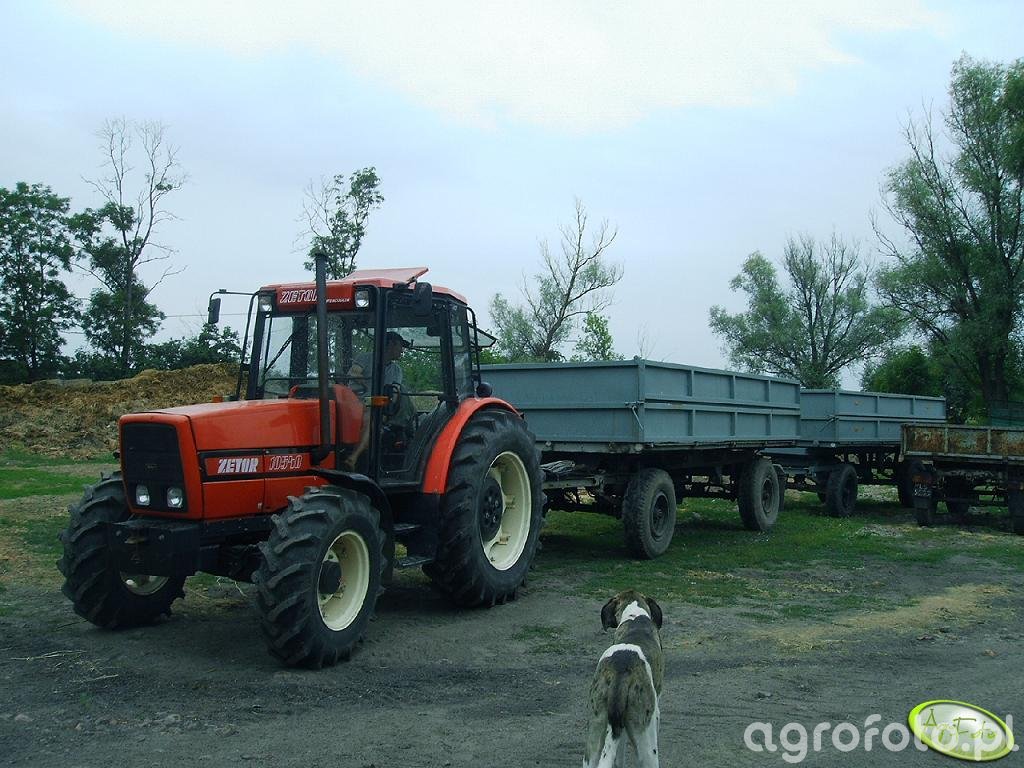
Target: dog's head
(624,606)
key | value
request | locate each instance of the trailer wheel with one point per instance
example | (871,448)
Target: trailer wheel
(841,493)
(491,513)
(649,513)
(759,495)
(320,576)
(98,591)
(905,481)
(924,511)
(1015,503)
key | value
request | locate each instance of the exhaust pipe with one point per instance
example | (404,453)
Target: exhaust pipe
(322,451)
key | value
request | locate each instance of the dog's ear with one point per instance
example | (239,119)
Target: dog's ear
(655,611)
(608,620)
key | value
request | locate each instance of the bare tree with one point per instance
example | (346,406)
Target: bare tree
(118,238)
(573,283)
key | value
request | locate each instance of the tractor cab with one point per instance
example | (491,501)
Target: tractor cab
(399,358)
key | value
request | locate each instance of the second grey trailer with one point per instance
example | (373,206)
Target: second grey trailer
(849,438)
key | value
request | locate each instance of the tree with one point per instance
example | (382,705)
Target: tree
(570,286)
(210,345)
(118,238)
(596,342)
(336,214)
(916,371)
(35,304)
(960,278)
(815,328)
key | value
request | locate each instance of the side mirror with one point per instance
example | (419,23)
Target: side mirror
(483,389)
(422,300)
(214,311)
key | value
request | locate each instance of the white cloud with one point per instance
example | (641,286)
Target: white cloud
(570,65)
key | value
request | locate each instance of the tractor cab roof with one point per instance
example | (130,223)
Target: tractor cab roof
(340,291)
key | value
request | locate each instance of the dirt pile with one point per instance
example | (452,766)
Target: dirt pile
(79,418)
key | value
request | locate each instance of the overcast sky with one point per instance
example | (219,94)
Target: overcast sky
(703,131)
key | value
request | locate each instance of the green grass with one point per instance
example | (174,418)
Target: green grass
(21,482)
(714,561)
(19,457)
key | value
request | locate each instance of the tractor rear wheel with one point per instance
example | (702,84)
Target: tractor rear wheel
(649,513)
(491,512)
(99,591)
(319,577)
(760,496)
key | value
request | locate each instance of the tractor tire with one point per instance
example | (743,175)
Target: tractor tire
(320,575)
(760,496)
(649,513)
(99,592)
(841,493)
(491,513)
(905,481)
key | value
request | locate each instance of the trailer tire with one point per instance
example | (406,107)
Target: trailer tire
(494,489)
(924,511)
(1015,503)
(759,497)
(905,481)
(326,543)
(649,513)
(841,493)
(99,592)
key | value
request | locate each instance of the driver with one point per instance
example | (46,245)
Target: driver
(394,346)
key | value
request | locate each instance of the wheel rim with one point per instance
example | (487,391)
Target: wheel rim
(347,559)
(141,584)
(659,515)
(504,548)
(767,496)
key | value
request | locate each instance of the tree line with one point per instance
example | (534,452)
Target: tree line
(943,313)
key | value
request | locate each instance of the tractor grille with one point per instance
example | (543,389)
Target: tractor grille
(152,458)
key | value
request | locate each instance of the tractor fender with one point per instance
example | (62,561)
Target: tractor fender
(435,478)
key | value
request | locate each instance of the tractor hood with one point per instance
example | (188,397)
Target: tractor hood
(252,424)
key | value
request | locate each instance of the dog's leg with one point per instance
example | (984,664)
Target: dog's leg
(647,742)
(607,753)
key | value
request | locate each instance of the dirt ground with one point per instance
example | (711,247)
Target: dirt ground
(433,686)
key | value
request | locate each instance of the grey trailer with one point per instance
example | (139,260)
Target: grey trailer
(964,467)
(632,437)
(850,438)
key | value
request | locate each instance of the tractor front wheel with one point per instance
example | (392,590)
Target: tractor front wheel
(100,592)
(491,513)
(319,577)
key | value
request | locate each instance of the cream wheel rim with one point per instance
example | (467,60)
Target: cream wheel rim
(339,608)
(141,584)
(505,547)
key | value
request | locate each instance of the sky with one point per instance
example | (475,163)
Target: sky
(701,131)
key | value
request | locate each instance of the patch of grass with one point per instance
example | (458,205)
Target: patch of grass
(20,482)
(17,456)
(714,561)
(544,639)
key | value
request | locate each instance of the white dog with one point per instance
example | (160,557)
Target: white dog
(627,684)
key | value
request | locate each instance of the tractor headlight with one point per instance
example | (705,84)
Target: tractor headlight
(362,299)
(175,497)
(142,496)
(266,302)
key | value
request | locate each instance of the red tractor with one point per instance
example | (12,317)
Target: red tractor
(365,442)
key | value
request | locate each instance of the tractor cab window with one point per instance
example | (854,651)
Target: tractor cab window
(288,358)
